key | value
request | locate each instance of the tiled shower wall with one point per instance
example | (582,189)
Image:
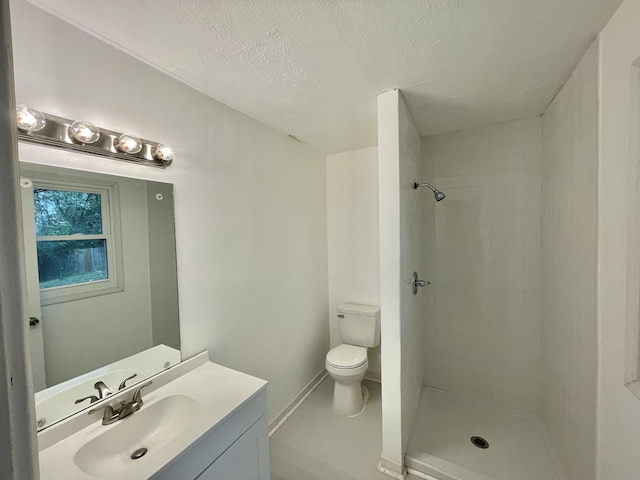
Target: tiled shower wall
(483,315)
(569,266)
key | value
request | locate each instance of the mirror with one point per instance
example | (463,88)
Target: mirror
(102,283)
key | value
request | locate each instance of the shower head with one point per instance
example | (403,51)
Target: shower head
(436,193)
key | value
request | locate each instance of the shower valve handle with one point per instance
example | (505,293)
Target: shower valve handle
(418,283)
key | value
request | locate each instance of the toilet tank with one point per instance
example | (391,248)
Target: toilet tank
(359,324)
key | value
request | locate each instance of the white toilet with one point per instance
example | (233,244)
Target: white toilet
(347,363)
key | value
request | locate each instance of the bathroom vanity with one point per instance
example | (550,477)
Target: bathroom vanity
(198,420)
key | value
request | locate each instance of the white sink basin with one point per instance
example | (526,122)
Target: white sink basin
(182,404)
(109,453)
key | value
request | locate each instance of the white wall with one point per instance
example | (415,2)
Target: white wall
(569,261)
(353,237)
(392,457)
(482,335)
(400,256)
(618,419)
(411,260)
(250,202)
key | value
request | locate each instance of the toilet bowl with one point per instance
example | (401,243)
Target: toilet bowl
(347,365)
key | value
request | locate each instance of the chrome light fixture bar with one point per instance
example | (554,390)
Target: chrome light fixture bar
(66,134)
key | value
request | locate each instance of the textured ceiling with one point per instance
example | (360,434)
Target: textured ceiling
(312,68)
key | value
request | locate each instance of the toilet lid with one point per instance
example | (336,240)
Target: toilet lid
(347,356)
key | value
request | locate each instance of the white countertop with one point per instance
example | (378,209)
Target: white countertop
(218,392)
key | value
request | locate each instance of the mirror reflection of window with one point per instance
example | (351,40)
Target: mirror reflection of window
(78,244)
(72,244)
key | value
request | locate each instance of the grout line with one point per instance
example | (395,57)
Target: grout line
(286,413)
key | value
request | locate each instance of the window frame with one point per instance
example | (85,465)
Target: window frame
(111,233)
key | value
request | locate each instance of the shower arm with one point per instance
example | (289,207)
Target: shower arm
(439,196)
(417,185)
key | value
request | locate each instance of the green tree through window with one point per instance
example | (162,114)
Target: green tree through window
(70,242)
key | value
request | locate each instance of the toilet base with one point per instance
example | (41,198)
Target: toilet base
(349,400)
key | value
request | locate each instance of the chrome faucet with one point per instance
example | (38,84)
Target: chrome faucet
(103,390)
(112,415)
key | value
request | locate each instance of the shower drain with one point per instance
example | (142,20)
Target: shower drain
(479,442)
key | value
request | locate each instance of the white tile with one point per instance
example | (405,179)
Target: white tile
(492,179)
(442,439)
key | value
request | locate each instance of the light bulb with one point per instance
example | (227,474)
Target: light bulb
(128,143)
(29,120)
(84,132)
(163,153)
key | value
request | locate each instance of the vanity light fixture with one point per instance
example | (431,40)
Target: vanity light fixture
(163,153)
(84,132)
(128,143)
(85,137)
(29,120)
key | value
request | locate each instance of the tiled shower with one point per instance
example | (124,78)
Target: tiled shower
(510,318)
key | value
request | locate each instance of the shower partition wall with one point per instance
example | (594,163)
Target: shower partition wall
(400,256)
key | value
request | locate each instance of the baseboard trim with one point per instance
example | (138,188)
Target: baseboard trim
(420,475)
(392,469)
(287,411)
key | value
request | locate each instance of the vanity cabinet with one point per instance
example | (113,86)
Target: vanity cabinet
(235,449)
(246,459)
(199,421)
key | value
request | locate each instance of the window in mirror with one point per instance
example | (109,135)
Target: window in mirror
(75,240)
(71,240)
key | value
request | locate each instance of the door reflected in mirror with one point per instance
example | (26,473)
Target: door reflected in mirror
(101,281)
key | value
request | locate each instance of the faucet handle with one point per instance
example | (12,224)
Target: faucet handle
(123,384)
(137,395)
(93,399)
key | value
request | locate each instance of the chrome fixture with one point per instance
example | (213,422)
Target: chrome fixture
(128,143)
(163,153)
(418,283)
(84,132)
(103,390)
(29,120)
(91,398)
(84,136)
(123,383)
(437,193)
(124,409)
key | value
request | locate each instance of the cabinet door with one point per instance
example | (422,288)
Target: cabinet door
(246,459)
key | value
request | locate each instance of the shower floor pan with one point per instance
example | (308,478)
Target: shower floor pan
(441,443)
